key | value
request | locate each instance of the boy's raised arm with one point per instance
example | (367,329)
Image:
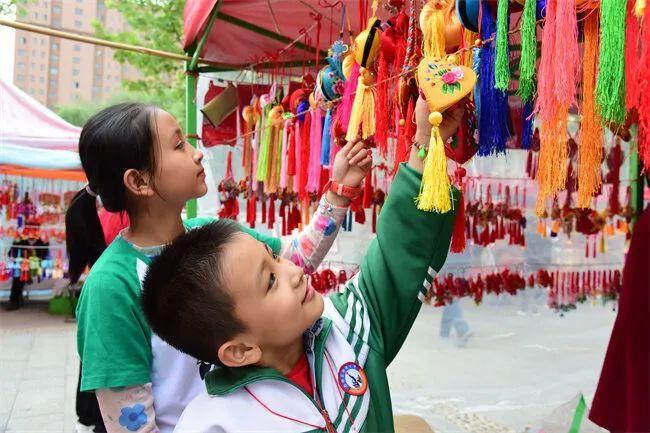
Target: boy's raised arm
(411,246)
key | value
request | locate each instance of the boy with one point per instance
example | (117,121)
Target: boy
(288,359)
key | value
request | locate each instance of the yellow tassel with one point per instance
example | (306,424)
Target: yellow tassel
(467,58)
(601,246)
(556,226)
(435,190)
(363,109)
(432,23)
(540,228)
(639,8)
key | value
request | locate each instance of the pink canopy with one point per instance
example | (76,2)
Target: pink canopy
(25,122)
(247,31)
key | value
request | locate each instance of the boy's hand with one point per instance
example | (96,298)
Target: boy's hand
(351,165)
(451,120)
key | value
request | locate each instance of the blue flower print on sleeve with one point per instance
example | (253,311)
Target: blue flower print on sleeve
(133,417)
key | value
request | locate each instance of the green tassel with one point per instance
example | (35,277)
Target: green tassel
(610,87)
(263,155)
(501,62)
(528,31)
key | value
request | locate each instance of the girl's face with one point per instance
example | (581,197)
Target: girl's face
(179,174)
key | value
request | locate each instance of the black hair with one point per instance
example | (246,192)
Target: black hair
(112,141)
(183,296)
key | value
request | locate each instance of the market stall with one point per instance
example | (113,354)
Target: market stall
(41,171)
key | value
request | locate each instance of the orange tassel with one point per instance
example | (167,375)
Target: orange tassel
(590,150)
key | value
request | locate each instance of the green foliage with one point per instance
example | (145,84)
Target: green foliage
(79,112)
(156,24)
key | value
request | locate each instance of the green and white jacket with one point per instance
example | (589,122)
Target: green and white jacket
(349,347)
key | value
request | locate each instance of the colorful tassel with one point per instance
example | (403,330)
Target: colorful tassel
(362,119)
(501,61)
(458,239)
(326,139)
(432,23)
(528,59)
(435,190)
(493,123)
(631,58)
(643,79)
(591,134)
(382,111)
(527,125)
(315,141)
(263,155)
(344,110)
(610,86)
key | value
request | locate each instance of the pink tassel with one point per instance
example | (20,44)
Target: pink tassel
(285,153)
(567,60)
(315,142)
(298,149)
(643,78)
(345,109)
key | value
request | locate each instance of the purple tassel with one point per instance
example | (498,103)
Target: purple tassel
(493,120)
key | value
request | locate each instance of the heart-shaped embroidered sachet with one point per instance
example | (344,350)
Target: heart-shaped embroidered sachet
(442,83)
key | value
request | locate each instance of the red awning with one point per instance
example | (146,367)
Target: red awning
(248,31)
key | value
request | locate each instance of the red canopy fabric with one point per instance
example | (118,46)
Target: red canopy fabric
(233,44)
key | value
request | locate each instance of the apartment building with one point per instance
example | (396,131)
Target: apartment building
(58,71)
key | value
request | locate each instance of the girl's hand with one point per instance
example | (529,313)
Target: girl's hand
(351,165)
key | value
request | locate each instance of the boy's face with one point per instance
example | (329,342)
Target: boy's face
(272,296)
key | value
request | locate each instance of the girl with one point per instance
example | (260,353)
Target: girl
(137,160)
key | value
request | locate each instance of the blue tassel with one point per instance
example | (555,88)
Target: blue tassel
(493,120)
(327,139)
(527,125)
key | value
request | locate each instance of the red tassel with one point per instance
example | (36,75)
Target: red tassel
(304,158)
(251,211)
(291,156)
(458,240)
(263,211)
(643,82)
(632,30)
(617,159)
(324,178)
(271,215)
(404,137)
(381,106)
(367,192)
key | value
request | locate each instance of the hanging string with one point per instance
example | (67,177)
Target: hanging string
(408,72)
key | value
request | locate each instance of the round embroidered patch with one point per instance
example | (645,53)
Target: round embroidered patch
(352,379)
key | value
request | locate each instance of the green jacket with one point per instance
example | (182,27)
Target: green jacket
(361,331)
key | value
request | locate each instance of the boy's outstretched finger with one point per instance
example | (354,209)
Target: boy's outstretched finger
(359,156)
(366,163)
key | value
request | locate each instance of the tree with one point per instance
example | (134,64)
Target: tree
(7,7)
(79,112)
(155,24)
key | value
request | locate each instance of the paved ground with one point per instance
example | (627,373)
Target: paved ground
(38,371)
(515,370)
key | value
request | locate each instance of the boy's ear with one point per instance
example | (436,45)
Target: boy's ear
(138,183)
(239,353)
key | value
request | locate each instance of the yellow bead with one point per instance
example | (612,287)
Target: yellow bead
(402,122)
(477,43)
(435,118)
(453,59)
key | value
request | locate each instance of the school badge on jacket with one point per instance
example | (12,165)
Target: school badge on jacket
(352,379)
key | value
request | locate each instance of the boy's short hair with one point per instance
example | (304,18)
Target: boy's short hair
(183,297)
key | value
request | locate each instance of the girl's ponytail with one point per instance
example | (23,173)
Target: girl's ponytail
(84,235)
